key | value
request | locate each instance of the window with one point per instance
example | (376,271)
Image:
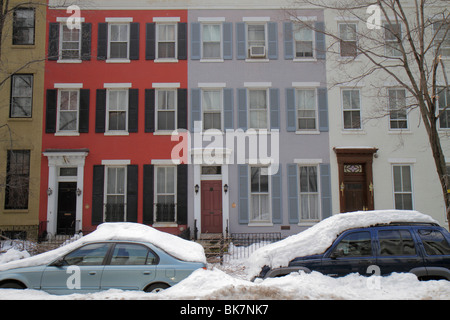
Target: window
(23,26)
(256,40)
(397,109)
(309,193)
(68,110)
(212,109)
(392,34)
(119,35)
(165,194)
(348,39)
(258,109)
(304,43)
(403,197)
(306,110)
(115,194)
(355,244)
(434,242)
(444,110)
(70,43)
(396,243)
(21,96)
(166,41)
(259,185)
(211,39)
(17,179)
(351,105)
(132,254)
(89,255)
(117,107)
(166,109)
(442,38)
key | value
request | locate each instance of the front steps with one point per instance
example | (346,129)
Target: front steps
(215,246)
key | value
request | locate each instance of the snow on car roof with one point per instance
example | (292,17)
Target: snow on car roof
(321,236)
(175,246)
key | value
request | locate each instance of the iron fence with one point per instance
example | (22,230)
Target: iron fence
(242,245)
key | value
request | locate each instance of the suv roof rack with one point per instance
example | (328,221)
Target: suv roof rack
(403,223)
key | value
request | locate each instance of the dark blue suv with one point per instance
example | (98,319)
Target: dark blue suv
(421,249)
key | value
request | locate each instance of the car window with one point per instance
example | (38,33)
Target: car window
(434,242)
(355,244)
(132,254)
(396,243)
(89,255)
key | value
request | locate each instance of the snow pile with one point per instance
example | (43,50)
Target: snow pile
(173,245)
(321,236)
(12,255)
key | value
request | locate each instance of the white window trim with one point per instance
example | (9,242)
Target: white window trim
(158,24)
(398,130)
(58,114)
(105,190)
(257,21)
(410,164)
(155,194)
(253,223)
(386,42)
(310,59)
(164,132)
(68,86)
(61,34)
(342,22)
(307,131)
(212,22)
(351,130)
(115,20)
(118,21)
(116,132)
(255,88)
(220,89)
(309,163)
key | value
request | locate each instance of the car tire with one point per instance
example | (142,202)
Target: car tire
(157,287)
(11,285)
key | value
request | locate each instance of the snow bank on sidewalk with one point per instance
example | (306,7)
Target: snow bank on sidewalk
(173,245)
(320,237)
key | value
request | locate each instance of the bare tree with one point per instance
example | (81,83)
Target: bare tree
(403,41)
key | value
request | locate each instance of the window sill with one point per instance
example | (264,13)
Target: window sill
(312,132)
(165,133)
(169,60)
(305,60)
(118,61)
(260,224)
(20,119)
(67,134)
(257,60)
(165,225)
(18,211)
(308,223)
(23,46)
(353,131)
(117,133)
(69,61)
(399,131)
(212,60)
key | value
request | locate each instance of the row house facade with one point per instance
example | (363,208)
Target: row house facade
(21,95)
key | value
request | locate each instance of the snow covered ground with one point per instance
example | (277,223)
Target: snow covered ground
(230,281)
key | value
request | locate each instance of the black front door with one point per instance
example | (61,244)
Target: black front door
(67,206)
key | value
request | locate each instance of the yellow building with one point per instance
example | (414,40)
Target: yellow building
(22,64)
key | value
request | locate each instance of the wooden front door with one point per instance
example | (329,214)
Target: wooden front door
(211,206)
(355,195)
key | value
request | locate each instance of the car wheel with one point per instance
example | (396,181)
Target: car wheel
(157,287)
(11,285)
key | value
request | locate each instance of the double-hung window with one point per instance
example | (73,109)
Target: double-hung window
(166,106)
(442,38)
(306,109)
(17,179)
(304,43)
(119,40)
(21,96)
(115,195)
(444,107)
(68,108)
(397,109)
(166,41)
(117,110)
(70,43)
(212,109)
(256,41)
(351,106)
(392,34)
(258,108)
(211,41)
(260,195)
(23,26)
(403,190)
(309,193)
(165,194)
(348,39)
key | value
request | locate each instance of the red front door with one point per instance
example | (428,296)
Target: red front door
(211,206)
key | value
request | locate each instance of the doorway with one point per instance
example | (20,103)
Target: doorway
(67,207)
(211,206)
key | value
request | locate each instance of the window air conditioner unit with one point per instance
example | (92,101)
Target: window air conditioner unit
(257,52)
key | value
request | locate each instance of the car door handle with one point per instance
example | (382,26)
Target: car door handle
(147,272)
(92,273)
